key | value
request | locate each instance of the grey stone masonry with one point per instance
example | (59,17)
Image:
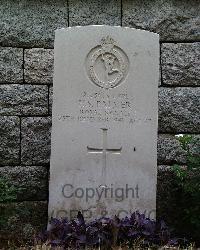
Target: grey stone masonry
(23,99)
(31,183)
(38,66)
(35,144)
(174,20)
(31,22)
(169,150)
(93,12)
(10,140)
(180,64)
(179,110)
(11,65)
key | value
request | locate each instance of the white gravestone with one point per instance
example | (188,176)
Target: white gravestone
(104,131)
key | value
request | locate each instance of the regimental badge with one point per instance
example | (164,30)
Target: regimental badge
(107,64)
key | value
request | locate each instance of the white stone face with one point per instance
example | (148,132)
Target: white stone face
(104,132)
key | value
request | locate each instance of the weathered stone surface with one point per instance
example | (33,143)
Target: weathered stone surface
(50,99)
(86,12)
(31,23)
(180,63)
(31,183)
(179,110)
(96,126)
(23,99)
(23,220)
(11,63)
(38,66)
(10,140)
(174,20)
(35,144)
(169,150)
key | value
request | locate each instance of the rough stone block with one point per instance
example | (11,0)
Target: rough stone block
(38,66)
(181,64)
(94,12)
(173,20)
(31,23)
(35,144)
(23,220)
(11,64)
(31,183)
(169,150)
(23,100)
(179,110)
(10,140)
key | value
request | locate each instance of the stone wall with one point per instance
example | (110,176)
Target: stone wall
(26,85)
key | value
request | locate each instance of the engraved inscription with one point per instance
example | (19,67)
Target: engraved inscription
(105,107)
(107,64)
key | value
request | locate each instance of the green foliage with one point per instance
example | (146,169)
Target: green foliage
(187,180)
(8,193)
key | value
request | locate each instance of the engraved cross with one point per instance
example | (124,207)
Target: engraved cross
(104,151)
